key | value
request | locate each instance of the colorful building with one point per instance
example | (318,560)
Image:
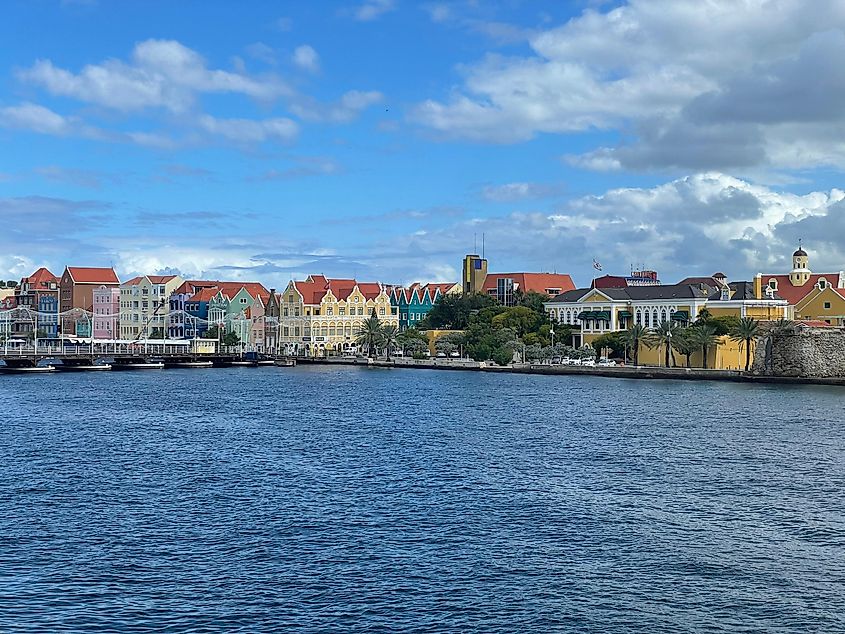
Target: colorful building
(7,304)
(229,308)
(321,316)
(189,308)
(815,296)
(39,293)
(106,318)
(413,303)
(76,291)
(616,307)
(507,288)
(145,306)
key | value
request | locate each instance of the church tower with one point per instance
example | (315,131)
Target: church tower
(800,267)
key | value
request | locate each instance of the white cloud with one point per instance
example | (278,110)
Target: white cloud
(373,9)
(350,106)
(161,74)
(512,192)
(30,116)
(248,131)
(306,58)
(695,85)
(262,52)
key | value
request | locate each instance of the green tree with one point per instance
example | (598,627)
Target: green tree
(534,301)
(684,344)
(745,332)
(662,337)
(704,337)
(213,332)
(453,312)
(502,355)
(520,319)
(413,341)
(389,334)
(369,336)
(633,337)
(231,339)
(613,340)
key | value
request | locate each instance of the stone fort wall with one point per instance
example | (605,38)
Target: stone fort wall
(804,352)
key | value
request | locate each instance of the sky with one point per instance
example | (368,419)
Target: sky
(381,139)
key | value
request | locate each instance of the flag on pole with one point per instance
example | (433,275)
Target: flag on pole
(596,265)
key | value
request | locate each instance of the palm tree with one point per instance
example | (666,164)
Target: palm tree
(684,344)
(633,337)
(369,335)
(745,332)
(703,337)
(663,336)
(389,337)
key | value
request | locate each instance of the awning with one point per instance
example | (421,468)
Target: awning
(680,315)
(626,313)
(599,315)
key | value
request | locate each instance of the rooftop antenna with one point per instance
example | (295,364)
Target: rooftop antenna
(482,246)
(475,243)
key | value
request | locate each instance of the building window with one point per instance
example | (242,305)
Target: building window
(822,284)
(773,284)
(381,311)
(647,324)
(330,311)
(827,305)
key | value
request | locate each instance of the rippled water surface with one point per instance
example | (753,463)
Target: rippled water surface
(355,500)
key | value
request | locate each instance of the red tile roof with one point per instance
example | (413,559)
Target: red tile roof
(315,287)
(92,275)
(160,279)
(794,294)
(814,323)
(204,294)
(42,277)
(536,282)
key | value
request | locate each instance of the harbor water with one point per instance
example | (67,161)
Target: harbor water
(341,499)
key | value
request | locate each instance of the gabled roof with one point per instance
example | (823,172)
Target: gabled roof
(92,275)
(192,286)
(315,287)
(160,279)
(528,282)
(205,294)
(794,294)
(41,278)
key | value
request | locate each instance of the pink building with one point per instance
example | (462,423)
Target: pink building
(106,309)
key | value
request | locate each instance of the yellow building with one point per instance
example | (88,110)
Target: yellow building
(145,304)
(614,306)
(321,316)
(814,296)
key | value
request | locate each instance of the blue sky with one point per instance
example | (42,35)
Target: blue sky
(376,138)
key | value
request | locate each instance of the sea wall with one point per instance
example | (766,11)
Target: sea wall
(803,352)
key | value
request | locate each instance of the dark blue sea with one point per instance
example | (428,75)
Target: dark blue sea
(369,500)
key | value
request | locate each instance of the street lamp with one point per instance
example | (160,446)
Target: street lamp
(552,333)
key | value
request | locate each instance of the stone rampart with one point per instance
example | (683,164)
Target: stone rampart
(801,352)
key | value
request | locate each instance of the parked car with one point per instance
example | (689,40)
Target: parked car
(606,363)
(455,355)
(574,362)
(589,362)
